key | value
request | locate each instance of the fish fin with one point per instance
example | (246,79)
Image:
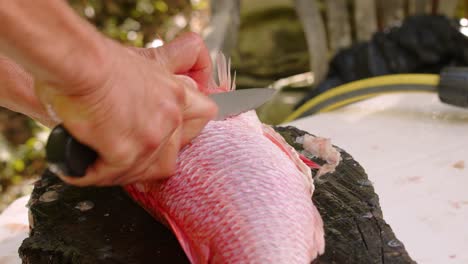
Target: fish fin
(138,193)
(226,84)
(197,254)
(279,141)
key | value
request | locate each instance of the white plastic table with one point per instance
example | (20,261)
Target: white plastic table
(14,228)
(414,149)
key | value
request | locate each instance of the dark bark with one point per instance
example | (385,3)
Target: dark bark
(116,230)
(355,231)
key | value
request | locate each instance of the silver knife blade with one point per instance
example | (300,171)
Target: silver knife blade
(240,101)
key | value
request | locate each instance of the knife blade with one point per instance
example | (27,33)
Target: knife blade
(68,156)
(239,101)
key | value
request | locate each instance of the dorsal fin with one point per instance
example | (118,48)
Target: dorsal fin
(223,66)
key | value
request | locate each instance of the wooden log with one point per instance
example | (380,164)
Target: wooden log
(93,225)
(355,231)
(365,19)
(338,24)
(103,225)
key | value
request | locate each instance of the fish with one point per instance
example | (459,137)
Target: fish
(240,193)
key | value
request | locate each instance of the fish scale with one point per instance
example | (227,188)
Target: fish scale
(239,195)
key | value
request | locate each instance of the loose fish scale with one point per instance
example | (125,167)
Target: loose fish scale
(237,194)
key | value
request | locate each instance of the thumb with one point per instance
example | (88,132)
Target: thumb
(198,110)
(196,105)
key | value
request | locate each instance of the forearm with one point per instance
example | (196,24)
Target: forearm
(52,42)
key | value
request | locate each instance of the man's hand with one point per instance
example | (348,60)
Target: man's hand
(17,92)
(135,111)
(141,114)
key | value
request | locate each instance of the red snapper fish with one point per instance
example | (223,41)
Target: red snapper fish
(240,194)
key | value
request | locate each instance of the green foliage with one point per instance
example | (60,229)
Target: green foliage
(21,163)
(132,22)
(136,22)
(25,160)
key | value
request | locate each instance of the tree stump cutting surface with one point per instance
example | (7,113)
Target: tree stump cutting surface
(103,225)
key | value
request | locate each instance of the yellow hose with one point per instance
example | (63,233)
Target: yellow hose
(395,79)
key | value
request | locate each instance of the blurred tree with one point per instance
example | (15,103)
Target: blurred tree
(139,22)
(133,22)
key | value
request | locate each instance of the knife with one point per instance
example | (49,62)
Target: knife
(68,156)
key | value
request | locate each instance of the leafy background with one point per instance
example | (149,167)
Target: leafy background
(141,23)
(282,57)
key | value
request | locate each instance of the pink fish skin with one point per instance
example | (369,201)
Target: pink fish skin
(240,194)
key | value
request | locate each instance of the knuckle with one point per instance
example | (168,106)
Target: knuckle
(158,55)
(122,155)
(195,38)
(212,110)
(150,53)
(172,114)
(179,93)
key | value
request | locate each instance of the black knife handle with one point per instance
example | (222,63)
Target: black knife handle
(68,155)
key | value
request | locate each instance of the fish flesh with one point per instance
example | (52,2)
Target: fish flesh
(240,194)
(323,149)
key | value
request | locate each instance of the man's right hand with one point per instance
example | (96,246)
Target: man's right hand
(136,112)
(140,113)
